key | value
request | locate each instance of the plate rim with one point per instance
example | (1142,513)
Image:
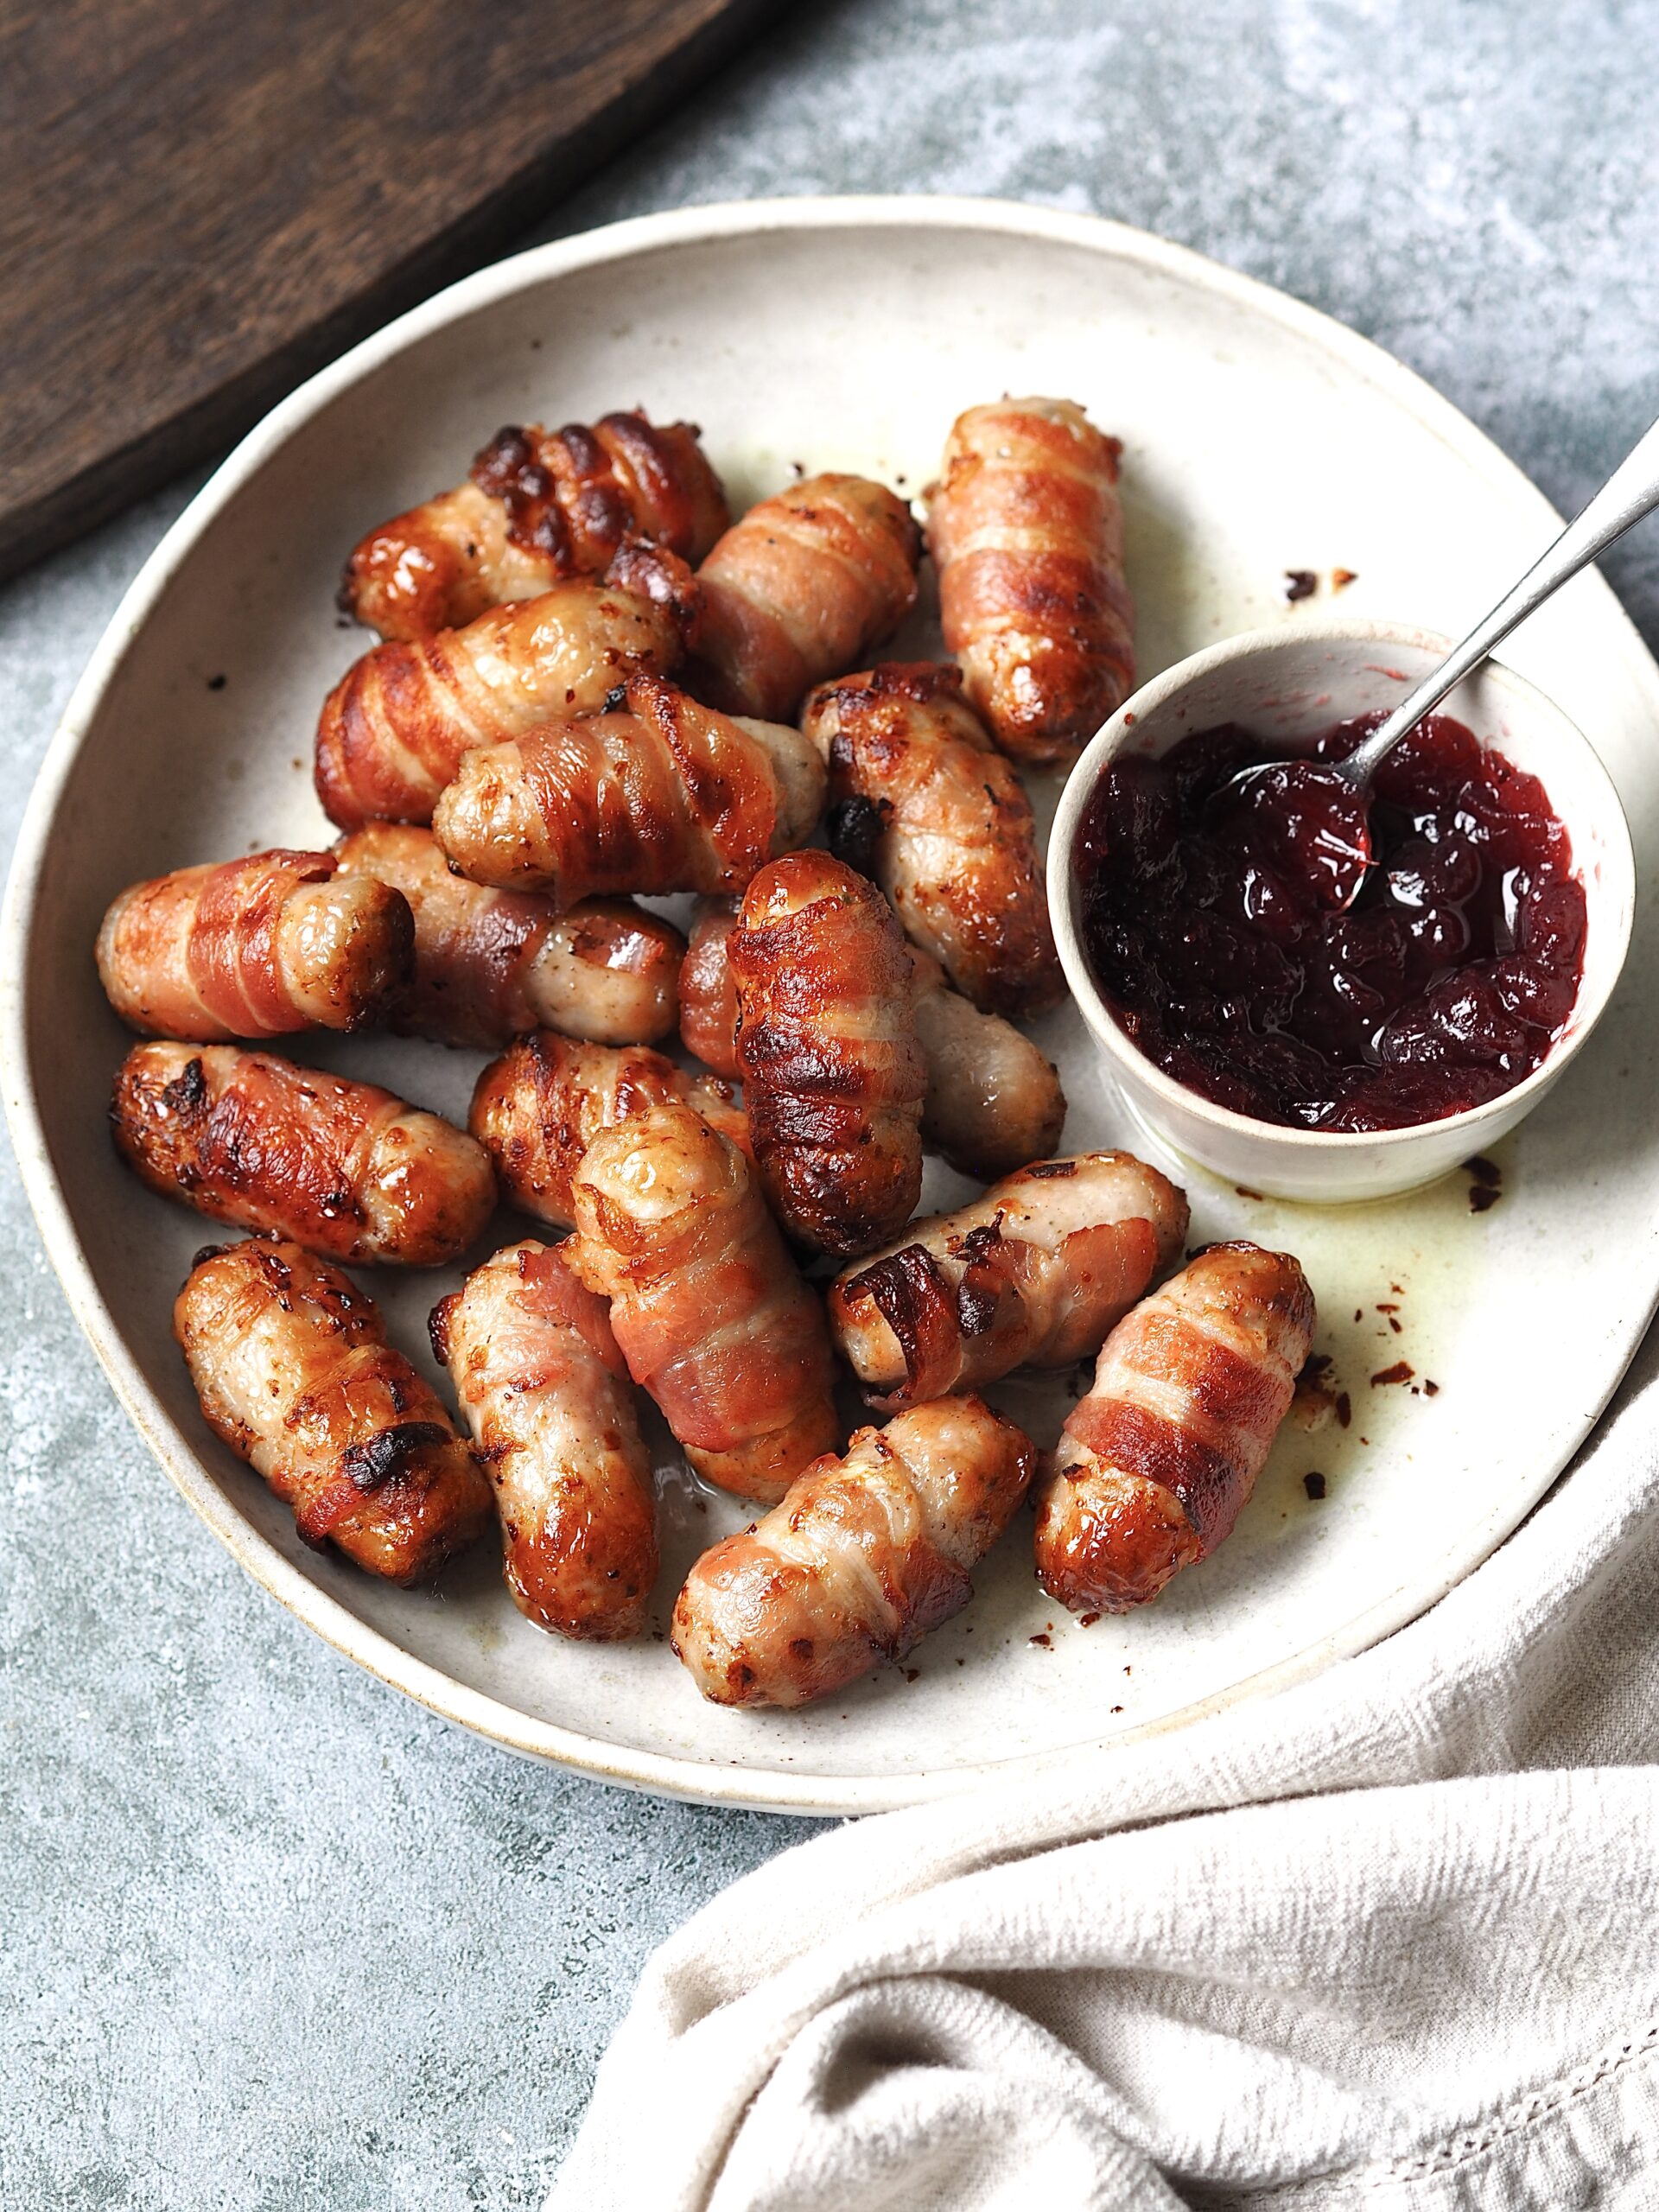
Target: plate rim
(759,1789)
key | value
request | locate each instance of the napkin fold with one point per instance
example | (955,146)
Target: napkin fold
(1389,1940)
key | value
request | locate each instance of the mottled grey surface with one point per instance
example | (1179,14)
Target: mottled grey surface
(273,1937)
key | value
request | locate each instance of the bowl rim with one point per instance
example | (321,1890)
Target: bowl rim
(1330,1145)
(666,1774)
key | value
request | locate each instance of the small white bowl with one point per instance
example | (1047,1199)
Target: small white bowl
(1289,684)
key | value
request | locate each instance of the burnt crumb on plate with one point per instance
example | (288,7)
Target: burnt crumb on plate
(1485,1183)
(1300,583)
(1341,578)
(1315,1398)
(1043,1640)
(1400,1372)
(1313,1484)
(1430,1389)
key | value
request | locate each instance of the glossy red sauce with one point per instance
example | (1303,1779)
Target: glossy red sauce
(1209,932)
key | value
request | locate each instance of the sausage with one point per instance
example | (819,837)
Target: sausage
(290,1362)
(344,1168)
(1031,1274)
(538,1107)
(833,1076)
(545,1393)
(661,795)
(920,801)
(539,506)
(708,989)
(993,1101)
(1027,536)
(712,1317)
(253,948)
(394,728)
(1154,1466)
(490,965)
(863,1556)
(800,588)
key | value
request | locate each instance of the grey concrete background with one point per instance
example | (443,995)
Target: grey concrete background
(271,1937)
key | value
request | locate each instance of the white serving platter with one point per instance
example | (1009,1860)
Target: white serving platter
(1260,437)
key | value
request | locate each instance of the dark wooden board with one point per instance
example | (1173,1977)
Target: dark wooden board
(203,200)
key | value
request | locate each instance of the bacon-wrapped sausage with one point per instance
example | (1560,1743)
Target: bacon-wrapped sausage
(921,802)
(993,1101)
(545,1393)
(538,1109)
(826,1040)
(489,965)
(1156,1464)
(863,1556)
(293,1369)
(342,1167)
(663,795)
(253,948)
(1033,1274)
(712,1317)
(799,588)
(540,505)
(394,728)
(1027,536)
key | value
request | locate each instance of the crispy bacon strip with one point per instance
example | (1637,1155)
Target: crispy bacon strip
(253,948)
(293,1369)
(342,1167)
(663,795)
(545,1393)
(1156,1464)
(712,1317)
(394,729)
(993,1101)
(540,505)
(919,801)
(1027,536)
(826,1039)
(1031,1274)
(490,965)
(538,1109)
(862,1557)
(799,588)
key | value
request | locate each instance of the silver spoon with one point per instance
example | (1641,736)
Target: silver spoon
(1336,794)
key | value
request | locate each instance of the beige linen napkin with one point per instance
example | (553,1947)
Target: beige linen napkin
(1389,1939)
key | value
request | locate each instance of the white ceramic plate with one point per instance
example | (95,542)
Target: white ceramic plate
(845,333)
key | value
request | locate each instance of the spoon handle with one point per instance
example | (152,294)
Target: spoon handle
(1630,492)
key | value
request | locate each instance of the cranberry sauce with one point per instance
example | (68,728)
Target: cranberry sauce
(1443,986)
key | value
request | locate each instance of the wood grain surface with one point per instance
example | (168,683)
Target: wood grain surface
(203,200)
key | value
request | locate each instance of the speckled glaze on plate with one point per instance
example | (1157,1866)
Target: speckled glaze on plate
(1259,438)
